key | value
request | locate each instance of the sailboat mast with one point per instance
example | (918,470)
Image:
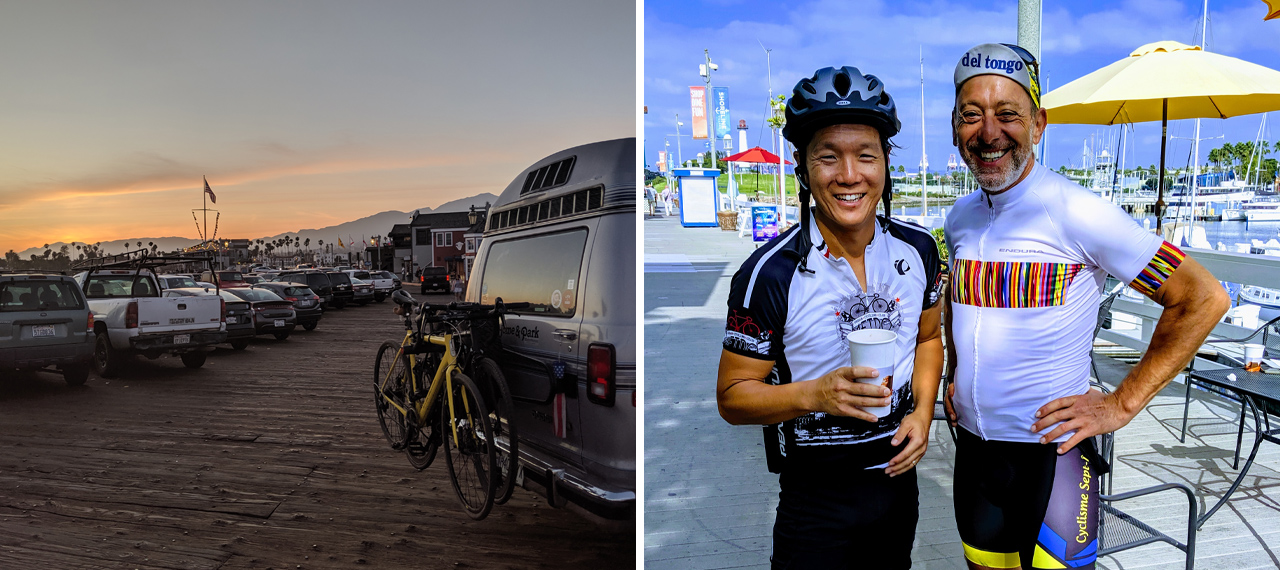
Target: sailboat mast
(1195,168)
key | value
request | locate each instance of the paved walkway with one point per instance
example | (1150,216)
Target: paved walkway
(709,500)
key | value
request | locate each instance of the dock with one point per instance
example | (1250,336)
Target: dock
(270,457)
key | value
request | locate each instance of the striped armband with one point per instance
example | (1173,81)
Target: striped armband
(1167,259)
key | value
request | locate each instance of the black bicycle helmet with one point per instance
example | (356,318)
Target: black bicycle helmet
(836,96)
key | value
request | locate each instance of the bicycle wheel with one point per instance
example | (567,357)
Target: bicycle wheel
(389,377)
(489,378)
(471,457)
(423,439)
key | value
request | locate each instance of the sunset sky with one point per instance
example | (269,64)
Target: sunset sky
(301,114)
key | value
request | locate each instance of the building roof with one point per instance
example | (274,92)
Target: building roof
(399,230)
(441,220)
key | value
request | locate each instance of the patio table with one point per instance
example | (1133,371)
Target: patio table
(1253,388)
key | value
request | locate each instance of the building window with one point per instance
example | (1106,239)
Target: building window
(471,245)
(444,239)
(424,236)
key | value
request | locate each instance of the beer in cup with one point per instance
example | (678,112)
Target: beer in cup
(875,348)
(1253,357)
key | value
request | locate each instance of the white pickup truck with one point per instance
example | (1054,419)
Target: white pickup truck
(130,317)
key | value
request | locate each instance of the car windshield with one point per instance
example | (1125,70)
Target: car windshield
(339,277)
(361,275)
(298,292)
(178,282)
(229,296)
(230,276)
(102,286)
(38,295)
(255,294)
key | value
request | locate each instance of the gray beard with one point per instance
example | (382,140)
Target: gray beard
(996,182)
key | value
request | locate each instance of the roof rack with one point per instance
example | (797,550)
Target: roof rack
(141,259)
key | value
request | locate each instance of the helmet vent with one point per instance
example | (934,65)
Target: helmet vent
(841,82)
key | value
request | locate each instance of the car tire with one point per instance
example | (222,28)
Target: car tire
(310,326)
(281,335)
(107,361)
(75,374)
(240,344)
(194,359)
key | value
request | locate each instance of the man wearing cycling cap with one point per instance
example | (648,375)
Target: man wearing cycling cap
(848,487)
(1030,255)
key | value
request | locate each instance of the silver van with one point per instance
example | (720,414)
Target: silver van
(562,237)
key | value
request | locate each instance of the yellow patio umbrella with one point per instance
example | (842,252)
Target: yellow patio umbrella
(1161,81)
(1273,9)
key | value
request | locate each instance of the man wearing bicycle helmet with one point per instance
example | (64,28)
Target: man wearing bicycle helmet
(848,485)
(1030,254)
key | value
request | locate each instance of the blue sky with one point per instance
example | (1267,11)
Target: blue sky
(885,38)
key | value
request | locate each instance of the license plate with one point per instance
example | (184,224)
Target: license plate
(181,339)
(232,320)
(42,331)
(279,322)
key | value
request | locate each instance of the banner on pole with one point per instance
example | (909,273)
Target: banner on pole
(698,99)
(720,110)
(662,161)
(764,223)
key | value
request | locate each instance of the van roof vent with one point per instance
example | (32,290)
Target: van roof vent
(578,202)
(549,176)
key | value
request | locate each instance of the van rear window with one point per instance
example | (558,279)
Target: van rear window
(38,295)
(541,270)
(103,286)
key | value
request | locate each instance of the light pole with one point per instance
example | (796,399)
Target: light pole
(705,71)
(679,154)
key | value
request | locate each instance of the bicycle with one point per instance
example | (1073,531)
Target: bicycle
(414,417)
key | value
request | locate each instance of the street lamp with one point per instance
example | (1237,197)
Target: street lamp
(679,155)
(472,216)
(705,70)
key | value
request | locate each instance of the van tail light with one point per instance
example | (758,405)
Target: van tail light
(224,309)
(131,315)
(89,326)
(601,367)
(291,298)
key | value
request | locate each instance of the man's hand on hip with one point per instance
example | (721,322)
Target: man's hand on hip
(1088,415)
(914,430)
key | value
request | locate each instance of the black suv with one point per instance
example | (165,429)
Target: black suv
(343,293)
(435,279)
(318,281)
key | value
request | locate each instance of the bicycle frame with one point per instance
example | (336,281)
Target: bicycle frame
(444,371)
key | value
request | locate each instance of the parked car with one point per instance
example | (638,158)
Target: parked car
(395,280)
(383,285)
(175,281)
(224,279)
(317,281)
(45,321)
(434,279)
(239,316)
(363,291)
(566,245)
(306,304)
(271,314)
(343,294)
(130,316)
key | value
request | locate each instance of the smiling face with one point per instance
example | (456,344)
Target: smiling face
(846,165)
(995,128)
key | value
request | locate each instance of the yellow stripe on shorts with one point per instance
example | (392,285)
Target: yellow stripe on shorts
(991,559)
(1042,559)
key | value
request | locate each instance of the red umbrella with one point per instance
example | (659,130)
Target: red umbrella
(755,154)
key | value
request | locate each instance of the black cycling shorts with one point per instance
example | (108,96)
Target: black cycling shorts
(858,518)
(1022,504)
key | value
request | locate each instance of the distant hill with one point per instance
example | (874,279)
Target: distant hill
(363,228)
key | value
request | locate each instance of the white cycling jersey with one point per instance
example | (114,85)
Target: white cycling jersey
(1028,265)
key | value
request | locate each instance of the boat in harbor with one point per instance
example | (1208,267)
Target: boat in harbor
(1262,209)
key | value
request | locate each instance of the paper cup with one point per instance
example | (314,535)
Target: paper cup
(1253,357)
(875,348)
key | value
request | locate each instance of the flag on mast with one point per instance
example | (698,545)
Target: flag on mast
(209,191)
(340,243)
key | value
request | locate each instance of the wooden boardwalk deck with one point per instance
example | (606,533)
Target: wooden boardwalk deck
(709,499)
(266,458)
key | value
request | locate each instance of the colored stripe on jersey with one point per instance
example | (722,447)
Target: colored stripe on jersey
(1166,259)
(1011,284)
